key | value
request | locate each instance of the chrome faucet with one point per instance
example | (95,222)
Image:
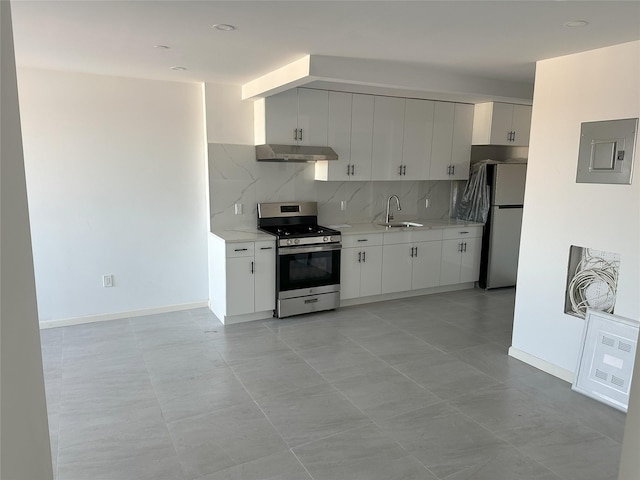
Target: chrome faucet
(389,215)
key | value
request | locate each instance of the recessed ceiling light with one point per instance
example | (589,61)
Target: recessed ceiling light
(225,27)
(179,69)
(162,47)
(576,23)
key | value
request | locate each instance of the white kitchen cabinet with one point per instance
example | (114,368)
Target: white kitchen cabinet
(418,133)
(388,133)
(461,255)
(496,123)
(451,145)
(411,260)
(350,133)
(242,279)
(297,117)
(361,272)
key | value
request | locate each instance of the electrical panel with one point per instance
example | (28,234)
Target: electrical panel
(607,151)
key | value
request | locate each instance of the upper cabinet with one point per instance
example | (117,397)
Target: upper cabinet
(451,145)
(297,117)
(496,123)
(388,130)
(418,135)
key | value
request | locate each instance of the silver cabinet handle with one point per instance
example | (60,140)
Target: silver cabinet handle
(300,135)
(353,169)
(266,248)
(400,170)
(453,169)
(363,240)
(359,257)
(240,250)
(465,246)
(460,247)
(364,257)
(463,233)
(411,255)
(295,134)
(514,136)
(252,268)
(416,251)
(348,170)
(404,170)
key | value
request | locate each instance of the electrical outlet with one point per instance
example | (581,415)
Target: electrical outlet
(238,208)
(343,205)
(426,203)
(107,281)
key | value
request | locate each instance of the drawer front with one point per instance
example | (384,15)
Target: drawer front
(412,236)
(242,249)
(366,240)
(462,232)
(265,246)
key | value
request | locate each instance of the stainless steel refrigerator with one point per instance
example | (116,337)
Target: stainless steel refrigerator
(501,242)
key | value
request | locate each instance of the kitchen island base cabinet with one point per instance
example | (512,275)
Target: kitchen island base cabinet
(241,280)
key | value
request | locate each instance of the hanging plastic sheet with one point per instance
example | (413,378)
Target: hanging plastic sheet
(474,204)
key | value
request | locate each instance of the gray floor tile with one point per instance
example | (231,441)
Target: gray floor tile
(340,361)
(361,453)
(571,450)
(178,361)
(494,360)
(445,375)
(448,337)
(308,336)
(209,443)
(279,466)
(277,374)
(311,413)
(445,441)
(243,348)
(385,393)
(396,347)
(200,394)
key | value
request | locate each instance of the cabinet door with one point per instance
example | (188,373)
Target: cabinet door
(461,145)
(350,261)
(396,268)
(451,257)
(313,115)
(426,265)
(521,124)
(371,271)
(418,132)
(361,136)
(388,125)
(339,135)
(265,276)
(240,286)
(443,121)
(281,117)
(501,126)
(470,260)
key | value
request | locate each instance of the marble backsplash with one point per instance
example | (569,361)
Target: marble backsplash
(236,177)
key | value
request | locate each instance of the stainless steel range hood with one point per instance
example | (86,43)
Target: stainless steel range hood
(294,153)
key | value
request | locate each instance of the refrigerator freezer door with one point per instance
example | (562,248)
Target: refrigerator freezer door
(504,246)
(508,186)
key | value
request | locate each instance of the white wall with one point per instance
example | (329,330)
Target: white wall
(24,433)
(601,84)
(229,118)
(116,177)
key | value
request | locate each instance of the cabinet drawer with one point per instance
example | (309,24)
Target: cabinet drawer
(366,240)
(266,246)
(462,232)
(412,236)
(243,249)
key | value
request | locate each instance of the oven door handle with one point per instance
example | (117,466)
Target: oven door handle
(309,249)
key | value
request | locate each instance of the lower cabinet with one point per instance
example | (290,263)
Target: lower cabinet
(361,266)
(411,260)
(242,278)
(461,255)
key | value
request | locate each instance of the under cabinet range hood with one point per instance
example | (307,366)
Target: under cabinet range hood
(294,153)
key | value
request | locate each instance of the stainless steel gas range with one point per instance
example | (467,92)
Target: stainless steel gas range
(308,258)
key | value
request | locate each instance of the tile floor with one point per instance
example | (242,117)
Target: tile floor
(419,388)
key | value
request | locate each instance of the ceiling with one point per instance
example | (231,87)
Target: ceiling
(496,40)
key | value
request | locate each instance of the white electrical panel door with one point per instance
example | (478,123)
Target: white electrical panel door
(605,363)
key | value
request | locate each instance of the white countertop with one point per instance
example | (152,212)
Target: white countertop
(360,228)
(255,235)
(242,235)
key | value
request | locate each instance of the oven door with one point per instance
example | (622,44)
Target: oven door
(308,267)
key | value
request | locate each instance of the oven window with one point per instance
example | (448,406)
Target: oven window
(308,270)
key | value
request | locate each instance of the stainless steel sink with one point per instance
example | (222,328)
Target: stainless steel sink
(400,224)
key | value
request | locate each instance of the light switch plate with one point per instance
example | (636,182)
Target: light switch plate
(607,151)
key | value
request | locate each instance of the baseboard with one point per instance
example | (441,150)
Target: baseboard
(409,293)
(66,322)
(543,365)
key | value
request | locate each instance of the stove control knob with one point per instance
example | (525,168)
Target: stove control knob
(325,239)
(297,240)
(334,238)
(289,241)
